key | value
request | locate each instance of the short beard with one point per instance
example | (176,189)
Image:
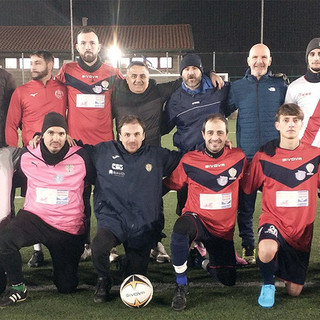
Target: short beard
(41,75)
(88,59)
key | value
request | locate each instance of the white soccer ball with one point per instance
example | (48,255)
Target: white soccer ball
(136,291)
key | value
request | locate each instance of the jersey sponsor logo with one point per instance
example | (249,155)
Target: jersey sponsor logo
(89,76)
(195,102)
(310,168)
(272,89)
(97,89)
(218,165)
(58,178)
(105,85)
(120,174)
(117,166)
(300,175)
(291,159)
(33,94)
(59,94)
(303,94)
(222,180)
(69,168)
(148,167)
(232,172)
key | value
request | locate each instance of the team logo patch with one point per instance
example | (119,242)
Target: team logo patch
(97,89)
(232,172)
(105,85)
(59,94)
(310,168)
(148,167)
(58,178)
(69,168)
(300,175)
(222,181)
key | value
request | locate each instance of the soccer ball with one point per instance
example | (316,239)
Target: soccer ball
(136,291)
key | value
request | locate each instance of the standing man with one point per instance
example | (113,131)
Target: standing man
(189,106)
(257,97)
(127,200)
(28,106)
(53,212)
(7,86)
(305,92)
(33,100)
(289,178)
(212,173)
(89,83)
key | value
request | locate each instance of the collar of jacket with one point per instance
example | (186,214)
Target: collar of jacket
(124,151)
(312,77)
(92,68)
(205,85)
(248,75)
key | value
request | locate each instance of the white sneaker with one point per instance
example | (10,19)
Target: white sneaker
(86,252)
(162,255)
(113,255)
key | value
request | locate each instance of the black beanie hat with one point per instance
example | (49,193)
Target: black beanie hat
(313,44)
(54,119)
(191,59)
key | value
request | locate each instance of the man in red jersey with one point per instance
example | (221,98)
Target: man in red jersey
(212,174)
(28,106)
(289,178)
(90,84)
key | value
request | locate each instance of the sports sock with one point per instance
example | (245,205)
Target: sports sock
(181,278)
(267,271)
(20,287)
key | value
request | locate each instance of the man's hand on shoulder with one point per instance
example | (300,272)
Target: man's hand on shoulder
(216,80)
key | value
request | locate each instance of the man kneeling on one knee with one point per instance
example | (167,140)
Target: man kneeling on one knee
(53,212)
(212,174)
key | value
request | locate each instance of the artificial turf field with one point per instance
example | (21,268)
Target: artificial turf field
(206,300)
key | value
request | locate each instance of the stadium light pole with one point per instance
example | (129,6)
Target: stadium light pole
(71,31)
(262,16)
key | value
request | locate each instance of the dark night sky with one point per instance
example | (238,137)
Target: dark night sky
(223,26)
(219,25)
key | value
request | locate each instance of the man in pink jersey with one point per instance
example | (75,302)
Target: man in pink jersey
(287,171)
(53,212)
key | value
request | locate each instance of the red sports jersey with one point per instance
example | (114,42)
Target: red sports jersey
(89,100)
(29,104)
(213,185)
(289,182)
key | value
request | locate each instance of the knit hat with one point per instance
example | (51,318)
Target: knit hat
(54,119)
(313,44)
(191,59)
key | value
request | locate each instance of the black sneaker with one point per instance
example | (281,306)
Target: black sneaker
(179,301)
(36,260)
(12,296)
(102,290)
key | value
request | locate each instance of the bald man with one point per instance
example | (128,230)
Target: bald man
(257,97)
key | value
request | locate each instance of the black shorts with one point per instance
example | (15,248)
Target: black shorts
(221,251)
(292,264)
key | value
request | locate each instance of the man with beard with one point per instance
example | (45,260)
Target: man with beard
(189,106)
(53,212)
(90,84)
(33,100)
(28,106)
(305,92)
(257,97)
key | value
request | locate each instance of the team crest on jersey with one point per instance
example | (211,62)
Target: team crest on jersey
(58,178)
(97,89)
(310,168)
(222,181)
(69,168)
(232,172)
(300,175)
(105,85)
(59,94)
(148,167)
